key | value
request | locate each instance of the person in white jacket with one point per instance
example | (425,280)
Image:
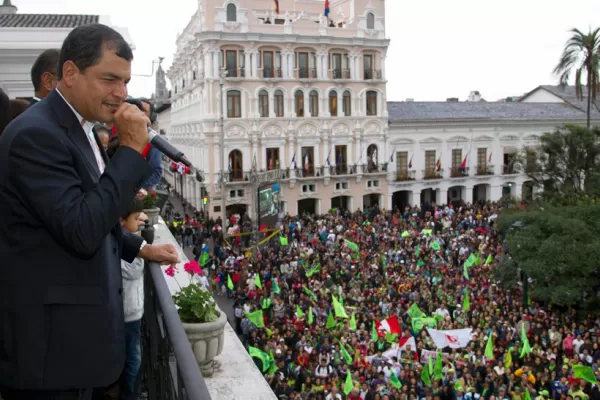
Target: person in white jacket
(133,304)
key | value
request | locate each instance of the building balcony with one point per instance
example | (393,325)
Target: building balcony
(339,73)
(342,170)
(372,168)
(457,172)
(310,172)
(372,74)
(403,176)
(306,73)
(169,369)
(431,175)
(235,72)
(508,169)
(483,170)
(271,73)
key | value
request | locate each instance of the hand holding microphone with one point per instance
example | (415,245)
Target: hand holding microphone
(132,126)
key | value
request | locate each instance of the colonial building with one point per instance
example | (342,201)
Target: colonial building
(432,141)
(300,93)
(23,37)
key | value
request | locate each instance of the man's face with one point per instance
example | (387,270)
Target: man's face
(98,91)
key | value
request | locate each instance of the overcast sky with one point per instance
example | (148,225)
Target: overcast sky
(439,48)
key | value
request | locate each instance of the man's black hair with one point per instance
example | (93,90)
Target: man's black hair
(135,206)
(46,62)
(85,45)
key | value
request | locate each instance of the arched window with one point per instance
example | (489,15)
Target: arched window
(234,104)
(279,110)
(372,158)
(333,104)
(371,102)
(236,166)
(231,12)
(299,101)
(314,103)
(347,105)
(370,21)
(263,104)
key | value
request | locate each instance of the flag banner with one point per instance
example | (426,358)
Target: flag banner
(390,325)
(453,338)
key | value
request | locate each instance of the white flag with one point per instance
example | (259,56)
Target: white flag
(454,338)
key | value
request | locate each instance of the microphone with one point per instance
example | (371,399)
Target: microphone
(155,139)
(167,148)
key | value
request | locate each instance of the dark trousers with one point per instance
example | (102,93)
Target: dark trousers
(133,360)
(75,394)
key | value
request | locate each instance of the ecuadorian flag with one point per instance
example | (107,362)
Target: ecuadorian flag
(326,8)
(276,6)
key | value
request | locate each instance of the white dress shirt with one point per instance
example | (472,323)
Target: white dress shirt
(87,128)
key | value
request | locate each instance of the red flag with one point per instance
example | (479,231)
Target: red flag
(463,164)
(390,325)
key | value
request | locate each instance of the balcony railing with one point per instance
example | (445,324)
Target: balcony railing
(340,73)
(372,168)
(457,172)
(372,74)
(271,73)
(169,369)
(342,169)
(485,170)
(311,172)
(235,176)
(235,72)
(508,169)
(307,73)
(402,176)
(429,174)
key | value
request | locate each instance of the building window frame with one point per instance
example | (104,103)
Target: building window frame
(234,103)
(371,102)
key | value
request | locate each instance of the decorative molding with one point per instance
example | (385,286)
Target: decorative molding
(372,128)
(341,130)
(430,140)
(307,130)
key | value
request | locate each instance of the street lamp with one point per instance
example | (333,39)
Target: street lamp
(222,76)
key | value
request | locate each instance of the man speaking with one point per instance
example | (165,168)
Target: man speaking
(61,307)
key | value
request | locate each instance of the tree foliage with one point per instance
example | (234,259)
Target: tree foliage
(581,55)
(565,164)
(558,247)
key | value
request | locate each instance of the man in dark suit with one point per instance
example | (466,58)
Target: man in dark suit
(43,74)
(61,307)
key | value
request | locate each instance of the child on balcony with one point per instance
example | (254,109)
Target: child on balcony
(133,303)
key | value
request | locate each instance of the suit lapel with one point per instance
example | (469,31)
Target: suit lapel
(68,120)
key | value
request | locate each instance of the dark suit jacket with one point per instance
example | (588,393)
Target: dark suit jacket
(61,306)
(32,102)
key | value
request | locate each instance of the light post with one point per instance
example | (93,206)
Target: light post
(222,76)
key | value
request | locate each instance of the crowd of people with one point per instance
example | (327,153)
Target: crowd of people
(352,306)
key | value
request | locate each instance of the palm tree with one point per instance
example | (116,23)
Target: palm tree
(582,54)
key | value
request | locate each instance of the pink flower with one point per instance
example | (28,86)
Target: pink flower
(192,267)
(170,271)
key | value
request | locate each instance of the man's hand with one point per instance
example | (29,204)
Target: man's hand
(132,126)
(166,254)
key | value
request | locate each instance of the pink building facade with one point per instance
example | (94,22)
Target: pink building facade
(294,86)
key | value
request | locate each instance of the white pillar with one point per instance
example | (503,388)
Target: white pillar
(517,190)
(216,70)
(284,64)
(256,54)
(271,105)
(467,194)
(208,63)
(247,63)
(494,193)
(390,204)
(306,104)
(415,198)
(383,66)
(340,104)
(441,196)
(290,62)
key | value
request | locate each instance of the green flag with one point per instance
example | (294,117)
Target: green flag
(374,336)
(309,293)
(508,360)
(390,338)
(425,376)
(257,318)
(526,347)
(261,355)
(310,316)
(276,288)
(427,232)
(405,234)
(283,240)
(472,260)
(415,312)
(585,373)
(266,303)
(299,312)
(430,366)
(272,363)
(438,374)
(466,302)
(489,348)
(466,271)
(435,246)
(204,259)
(257,281)
(229,282)
(394,380)
(351,245)
(330,321)
(526,396)
(338,308)
(353,322)
(489,259)
(348,384)
(346,355)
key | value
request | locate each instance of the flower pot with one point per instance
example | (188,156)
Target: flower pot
(207,342)
(152,214)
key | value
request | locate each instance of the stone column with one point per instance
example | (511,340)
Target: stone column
(271,104)
(208,63)
(292,155)
(247,63)
(284,64)
(390,202)
(306,104)
(383,57)
(290,61)
(326,149)
(340,103)
(441,196)
(256,55)
(415,198)
(467,194)
(516,190)
(216,70)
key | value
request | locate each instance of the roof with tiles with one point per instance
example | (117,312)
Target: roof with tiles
(46,20)
(568,94)
(483,111)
